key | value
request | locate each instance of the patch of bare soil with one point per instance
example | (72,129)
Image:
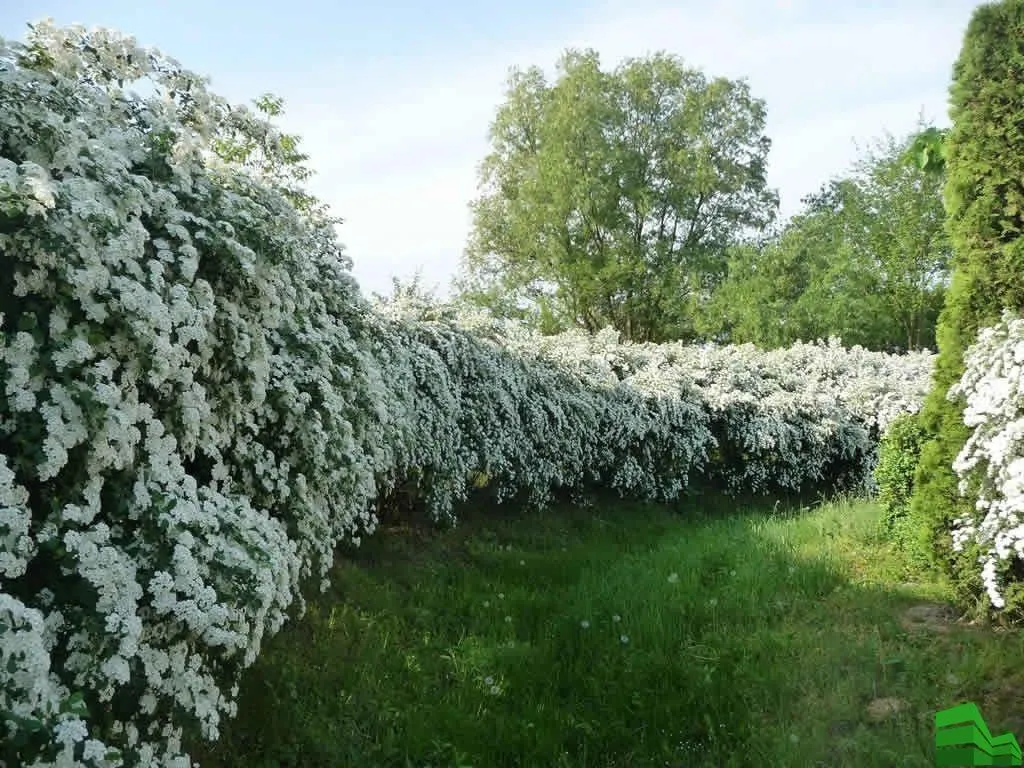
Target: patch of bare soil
(879,710)
(929,617)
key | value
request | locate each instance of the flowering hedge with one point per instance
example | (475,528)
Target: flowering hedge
(779,420)
(991,464)
(198,406)
(182,427)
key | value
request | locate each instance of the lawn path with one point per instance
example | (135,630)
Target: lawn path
(624,636)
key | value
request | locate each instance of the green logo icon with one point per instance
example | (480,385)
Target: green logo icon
(962,738)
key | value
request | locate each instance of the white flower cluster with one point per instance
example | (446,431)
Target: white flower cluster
(177,447)
(197,406)
(32,691)
(782,419)
(991,463)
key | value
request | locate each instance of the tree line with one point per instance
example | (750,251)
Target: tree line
(637,198)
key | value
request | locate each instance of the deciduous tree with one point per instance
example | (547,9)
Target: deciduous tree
(866,260)
(610,198)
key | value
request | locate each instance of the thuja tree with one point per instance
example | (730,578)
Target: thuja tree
(984,197)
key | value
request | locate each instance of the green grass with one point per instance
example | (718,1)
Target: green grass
(740,640)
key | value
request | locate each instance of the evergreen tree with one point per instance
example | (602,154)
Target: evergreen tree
(984,199)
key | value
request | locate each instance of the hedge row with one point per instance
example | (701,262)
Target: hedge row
(198,407)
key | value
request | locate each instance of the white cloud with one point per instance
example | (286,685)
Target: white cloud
(397,158)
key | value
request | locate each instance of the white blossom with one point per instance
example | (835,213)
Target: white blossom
(990,465)
(208,406)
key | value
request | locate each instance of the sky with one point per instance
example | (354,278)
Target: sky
(393,99)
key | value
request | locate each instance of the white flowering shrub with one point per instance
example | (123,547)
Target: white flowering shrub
(991,463)
(481,409)
(781,419)
(198,407)
(180,443)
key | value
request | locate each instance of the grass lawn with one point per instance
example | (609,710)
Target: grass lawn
(623,635)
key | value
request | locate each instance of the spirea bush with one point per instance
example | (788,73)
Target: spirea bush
(180,440)
(198,406)
(990,467)
(778,420)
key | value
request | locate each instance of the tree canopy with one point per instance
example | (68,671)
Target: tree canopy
(638,199)
(611,198)
(866,259)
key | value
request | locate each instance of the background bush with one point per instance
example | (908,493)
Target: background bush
(898,454)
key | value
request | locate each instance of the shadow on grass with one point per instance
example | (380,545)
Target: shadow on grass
(624,635)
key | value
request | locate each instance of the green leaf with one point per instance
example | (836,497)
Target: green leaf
(27,321)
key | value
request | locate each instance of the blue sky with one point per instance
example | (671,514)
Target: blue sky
(393,99)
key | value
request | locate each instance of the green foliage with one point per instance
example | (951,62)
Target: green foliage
(903,226)
(805,283)
(985,203)
(409,659)
(928,150)
(249,142)
(898,454)
(610,198)
(866,260)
